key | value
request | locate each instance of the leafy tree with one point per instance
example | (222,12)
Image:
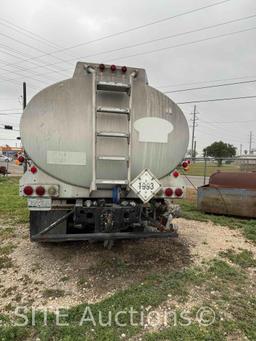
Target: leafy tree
(220,150)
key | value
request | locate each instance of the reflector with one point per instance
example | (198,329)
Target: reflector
(28,190)
(178,192)
(21,159)
(124,69)
(175,174)
(102,67)
(33,169)
(40,190)
(168,192)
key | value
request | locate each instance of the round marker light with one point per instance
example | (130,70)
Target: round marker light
(28,190)
(52,191)
(175,174)
(178,192)
(124,69)
(40,190)
(102,67)
(184,164)
(33,170)
(21,159)
(168,192)
(113,68)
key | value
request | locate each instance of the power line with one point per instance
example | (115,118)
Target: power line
(210,86)
(7,50)
(228,122)
(205,81)
(147,42)
(22,68)
(27,33)
(132,29)
(171,36)
(217,99)
(186,44)
(27,45)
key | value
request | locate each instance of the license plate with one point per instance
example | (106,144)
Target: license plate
(42,203)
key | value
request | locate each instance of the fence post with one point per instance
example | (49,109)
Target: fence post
(205,168)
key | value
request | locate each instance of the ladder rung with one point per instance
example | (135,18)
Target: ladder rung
(111,134)
(112,86)
(111,182)
(112,158)
(113,110)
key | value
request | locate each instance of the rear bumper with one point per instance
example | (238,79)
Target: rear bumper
(102,236)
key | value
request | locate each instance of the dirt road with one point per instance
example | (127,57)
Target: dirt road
(57,275)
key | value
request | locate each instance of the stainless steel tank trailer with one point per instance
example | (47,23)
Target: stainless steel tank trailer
(98,147)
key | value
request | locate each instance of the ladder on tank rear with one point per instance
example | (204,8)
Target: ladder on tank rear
(110,87)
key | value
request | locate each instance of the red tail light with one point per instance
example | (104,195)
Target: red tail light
(168,192)
(28,190)
(33,169)
(189,162)
(102,67)
(113,68)
(184,164)
(175,174)
(178,192)
(40,190)
(21,159)
(124,69)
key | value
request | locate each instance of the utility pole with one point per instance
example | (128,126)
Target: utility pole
(250,143)
(194,119)
(24,104)
(194,150)
(24,95)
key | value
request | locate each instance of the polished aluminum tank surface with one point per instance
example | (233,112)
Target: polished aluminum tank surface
(57,127)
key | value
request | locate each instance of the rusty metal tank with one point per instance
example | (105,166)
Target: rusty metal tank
(229,193)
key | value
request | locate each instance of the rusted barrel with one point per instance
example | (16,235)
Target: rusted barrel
(229,193)
(233,180)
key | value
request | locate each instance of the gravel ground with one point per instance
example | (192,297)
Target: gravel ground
(64,275)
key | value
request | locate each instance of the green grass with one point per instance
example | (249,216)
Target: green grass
(156,289)
(247,226)
(245,258)
(6,249)
(12,207)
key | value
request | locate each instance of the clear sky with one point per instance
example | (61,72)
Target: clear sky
(40,42)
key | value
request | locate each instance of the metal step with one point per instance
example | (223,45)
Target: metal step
(111,134)
(113,110)
(111,182)
(112,86)
(112,158)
